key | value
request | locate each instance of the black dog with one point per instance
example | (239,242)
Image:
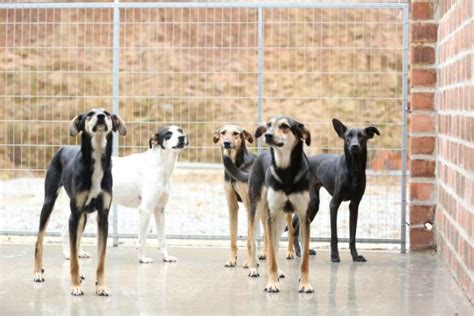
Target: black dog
(344,178)
(86,174)
(279,184)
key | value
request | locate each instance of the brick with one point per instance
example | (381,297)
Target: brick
(421,11)
(424,32)
(422,145)
(423,77)
(420,214)
(423,192)
(422,123)
(422,101)
(423,55)
(420,239)
(422,168)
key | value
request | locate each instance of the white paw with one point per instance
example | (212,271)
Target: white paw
(253,273)
(272,287)
(82,276)
(66,254)
(290,255)
(170,259)
(84,254)
(76,291)
(305,288)
(38,276)
(102,290)
(281,274)
(145,260)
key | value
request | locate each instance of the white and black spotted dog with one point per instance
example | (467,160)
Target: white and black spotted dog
(143,181)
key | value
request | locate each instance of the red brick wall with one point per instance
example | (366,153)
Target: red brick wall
(455,161)
(423,124)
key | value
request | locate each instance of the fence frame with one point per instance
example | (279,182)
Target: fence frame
(117,6)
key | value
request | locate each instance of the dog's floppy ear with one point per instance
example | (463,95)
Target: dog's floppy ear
(339,127)
(371,131)
(246,135)
(305,134)
(118,125)
(260,130)
(216,136)
(76,125)
(153,141)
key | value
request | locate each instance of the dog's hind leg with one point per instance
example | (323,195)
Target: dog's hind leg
(353,214)
(52,186)
(160,228)
(291,235)
(334,206)
(65,243)
(146,211)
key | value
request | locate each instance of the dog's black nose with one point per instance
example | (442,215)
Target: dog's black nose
(355,148)
(268,137)
(181,139)
(226,144)
(100,117)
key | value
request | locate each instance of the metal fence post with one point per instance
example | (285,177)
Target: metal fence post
(115,104)
(404,129)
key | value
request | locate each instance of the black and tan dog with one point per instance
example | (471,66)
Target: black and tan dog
(343,176)
(278,187)
(85,173)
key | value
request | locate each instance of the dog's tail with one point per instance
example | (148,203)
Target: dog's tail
(233,171)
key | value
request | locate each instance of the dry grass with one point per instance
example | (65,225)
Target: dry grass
(198,72)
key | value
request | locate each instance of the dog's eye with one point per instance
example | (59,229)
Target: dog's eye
(235,134)
(223,133)
(106,113)
(180,130)
(90,114)
(169,134)
(284,126)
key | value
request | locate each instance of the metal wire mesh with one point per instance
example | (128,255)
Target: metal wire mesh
(202,66)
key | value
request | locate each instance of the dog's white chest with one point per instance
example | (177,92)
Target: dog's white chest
(98,172)
(279,201)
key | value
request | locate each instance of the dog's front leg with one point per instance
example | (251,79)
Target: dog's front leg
(145,217)
(333,206)
(160,227)
(305,286)
(102,233)
(233,207)
(353,214)
(275,227)
(74,228)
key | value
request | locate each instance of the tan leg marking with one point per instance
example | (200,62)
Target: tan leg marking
(233,220)
(305,286)
(38,271)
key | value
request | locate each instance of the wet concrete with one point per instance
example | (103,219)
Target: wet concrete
(388,284)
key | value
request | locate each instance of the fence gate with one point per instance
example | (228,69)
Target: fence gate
(200,66)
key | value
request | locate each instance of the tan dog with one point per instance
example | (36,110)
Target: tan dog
(232,139)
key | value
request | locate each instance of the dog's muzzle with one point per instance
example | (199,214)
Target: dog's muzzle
(182,142)
(270,140)
(228,145)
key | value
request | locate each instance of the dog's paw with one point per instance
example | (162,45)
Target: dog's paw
(272,287)
(246,264)
(253,273)
(38,276)
(281,274)
(84,254)
(290,255)
(82,276)
(232,262)
(66,254)
(305,288)
(145,260)
(102,290)
(335,258)
(312,252)
(76,290)
(170,259)
(262,256)
(359,258)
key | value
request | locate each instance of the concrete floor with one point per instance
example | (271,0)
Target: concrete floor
(388,284)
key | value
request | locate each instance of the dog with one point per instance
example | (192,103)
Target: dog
(279,184)
(232,139)
(85,173)
(143,181)
(343,176)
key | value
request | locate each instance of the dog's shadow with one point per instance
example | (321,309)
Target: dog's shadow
(351,286)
